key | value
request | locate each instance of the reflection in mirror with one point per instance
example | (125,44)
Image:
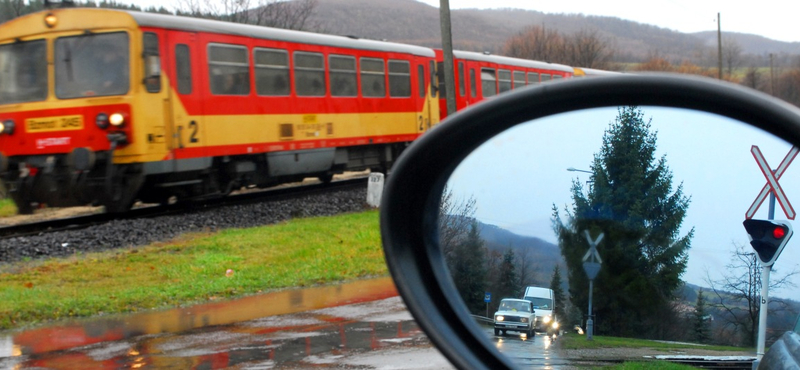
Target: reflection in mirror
(667,189)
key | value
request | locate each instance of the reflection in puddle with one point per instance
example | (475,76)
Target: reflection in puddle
(226,333)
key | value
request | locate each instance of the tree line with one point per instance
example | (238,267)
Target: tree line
(476,269)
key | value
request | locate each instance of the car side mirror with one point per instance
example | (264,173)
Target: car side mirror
(465,156)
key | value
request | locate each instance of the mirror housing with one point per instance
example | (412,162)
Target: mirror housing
(412,195)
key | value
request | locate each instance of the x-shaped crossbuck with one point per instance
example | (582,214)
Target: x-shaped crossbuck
(772,184)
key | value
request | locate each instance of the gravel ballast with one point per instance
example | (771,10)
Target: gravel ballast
(140,232)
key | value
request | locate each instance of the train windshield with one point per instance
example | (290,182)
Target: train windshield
(92,65)
(23,72)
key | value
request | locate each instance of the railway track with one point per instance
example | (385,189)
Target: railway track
(84,221)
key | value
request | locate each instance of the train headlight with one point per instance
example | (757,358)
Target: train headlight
(116,119)
(102,121)
(7,127)
(50,20)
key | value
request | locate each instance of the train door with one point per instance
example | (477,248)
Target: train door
(185,127)
(428,103)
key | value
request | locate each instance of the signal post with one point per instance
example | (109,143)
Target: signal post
(768,237)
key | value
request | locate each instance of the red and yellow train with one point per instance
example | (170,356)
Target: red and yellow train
(102,106)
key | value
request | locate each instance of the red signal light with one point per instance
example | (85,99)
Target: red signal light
(778,232)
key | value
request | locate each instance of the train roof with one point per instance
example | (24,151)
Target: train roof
(89,18)
(470,55)
(597,72)
(206,25)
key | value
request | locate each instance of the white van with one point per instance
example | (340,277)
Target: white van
(544,304)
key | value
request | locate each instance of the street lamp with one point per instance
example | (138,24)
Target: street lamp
(572,169)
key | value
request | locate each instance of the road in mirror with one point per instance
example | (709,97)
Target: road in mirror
(668,190)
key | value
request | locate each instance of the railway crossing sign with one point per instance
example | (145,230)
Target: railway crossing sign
(591,260)
(772,185)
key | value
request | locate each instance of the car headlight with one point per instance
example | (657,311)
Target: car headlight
(524,319)
(546,319)
(555,325)
(499,318)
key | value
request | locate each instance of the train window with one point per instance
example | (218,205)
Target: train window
(432,71)
(504,79)
(472,89)
(461,85)
(92,64)
(421,80)
(545,77)
(23,71)
(372,78)
(557,77)
(272,72)
(440,77)
(152,63)
(533,78)
(183,69)
(229,69)
(488,82)
(519,79)
(309,74)
(399,78)
(343,75)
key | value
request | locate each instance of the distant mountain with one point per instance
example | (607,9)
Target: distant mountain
(543,255)
(752,44)
(413,22)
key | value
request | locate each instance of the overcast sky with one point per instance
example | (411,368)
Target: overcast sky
(770,18)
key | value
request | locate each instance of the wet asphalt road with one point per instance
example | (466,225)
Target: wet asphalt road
(536,352)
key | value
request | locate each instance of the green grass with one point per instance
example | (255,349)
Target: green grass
(301,252)
(574,341)
(7,208)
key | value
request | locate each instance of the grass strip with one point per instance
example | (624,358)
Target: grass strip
(193,268)
(574,341)
(7,208)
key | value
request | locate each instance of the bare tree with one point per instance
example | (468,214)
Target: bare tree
(293,15)
(738,293)
(731,55)
(290,15)
(455,219)
(524,266)
(537,43)
(752,79)
(587,49)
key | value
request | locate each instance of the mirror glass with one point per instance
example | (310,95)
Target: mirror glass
(668,190)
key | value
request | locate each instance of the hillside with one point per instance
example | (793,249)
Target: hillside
(409,21)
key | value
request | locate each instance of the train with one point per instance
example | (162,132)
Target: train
(110,107)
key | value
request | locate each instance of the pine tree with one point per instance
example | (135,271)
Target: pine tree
(631,200)
(468,271)
(700,327)
(507,284)
(558,294)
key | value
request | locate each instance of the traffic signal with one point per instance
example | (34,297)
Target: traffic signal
(768,237)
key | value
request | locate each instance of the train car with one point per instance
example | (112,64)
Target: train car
(480,76)
(107,107)
(592,72)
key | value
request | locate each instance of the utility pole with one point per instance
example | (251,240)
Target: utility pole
(772,74)
(719,45)
(447,50)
